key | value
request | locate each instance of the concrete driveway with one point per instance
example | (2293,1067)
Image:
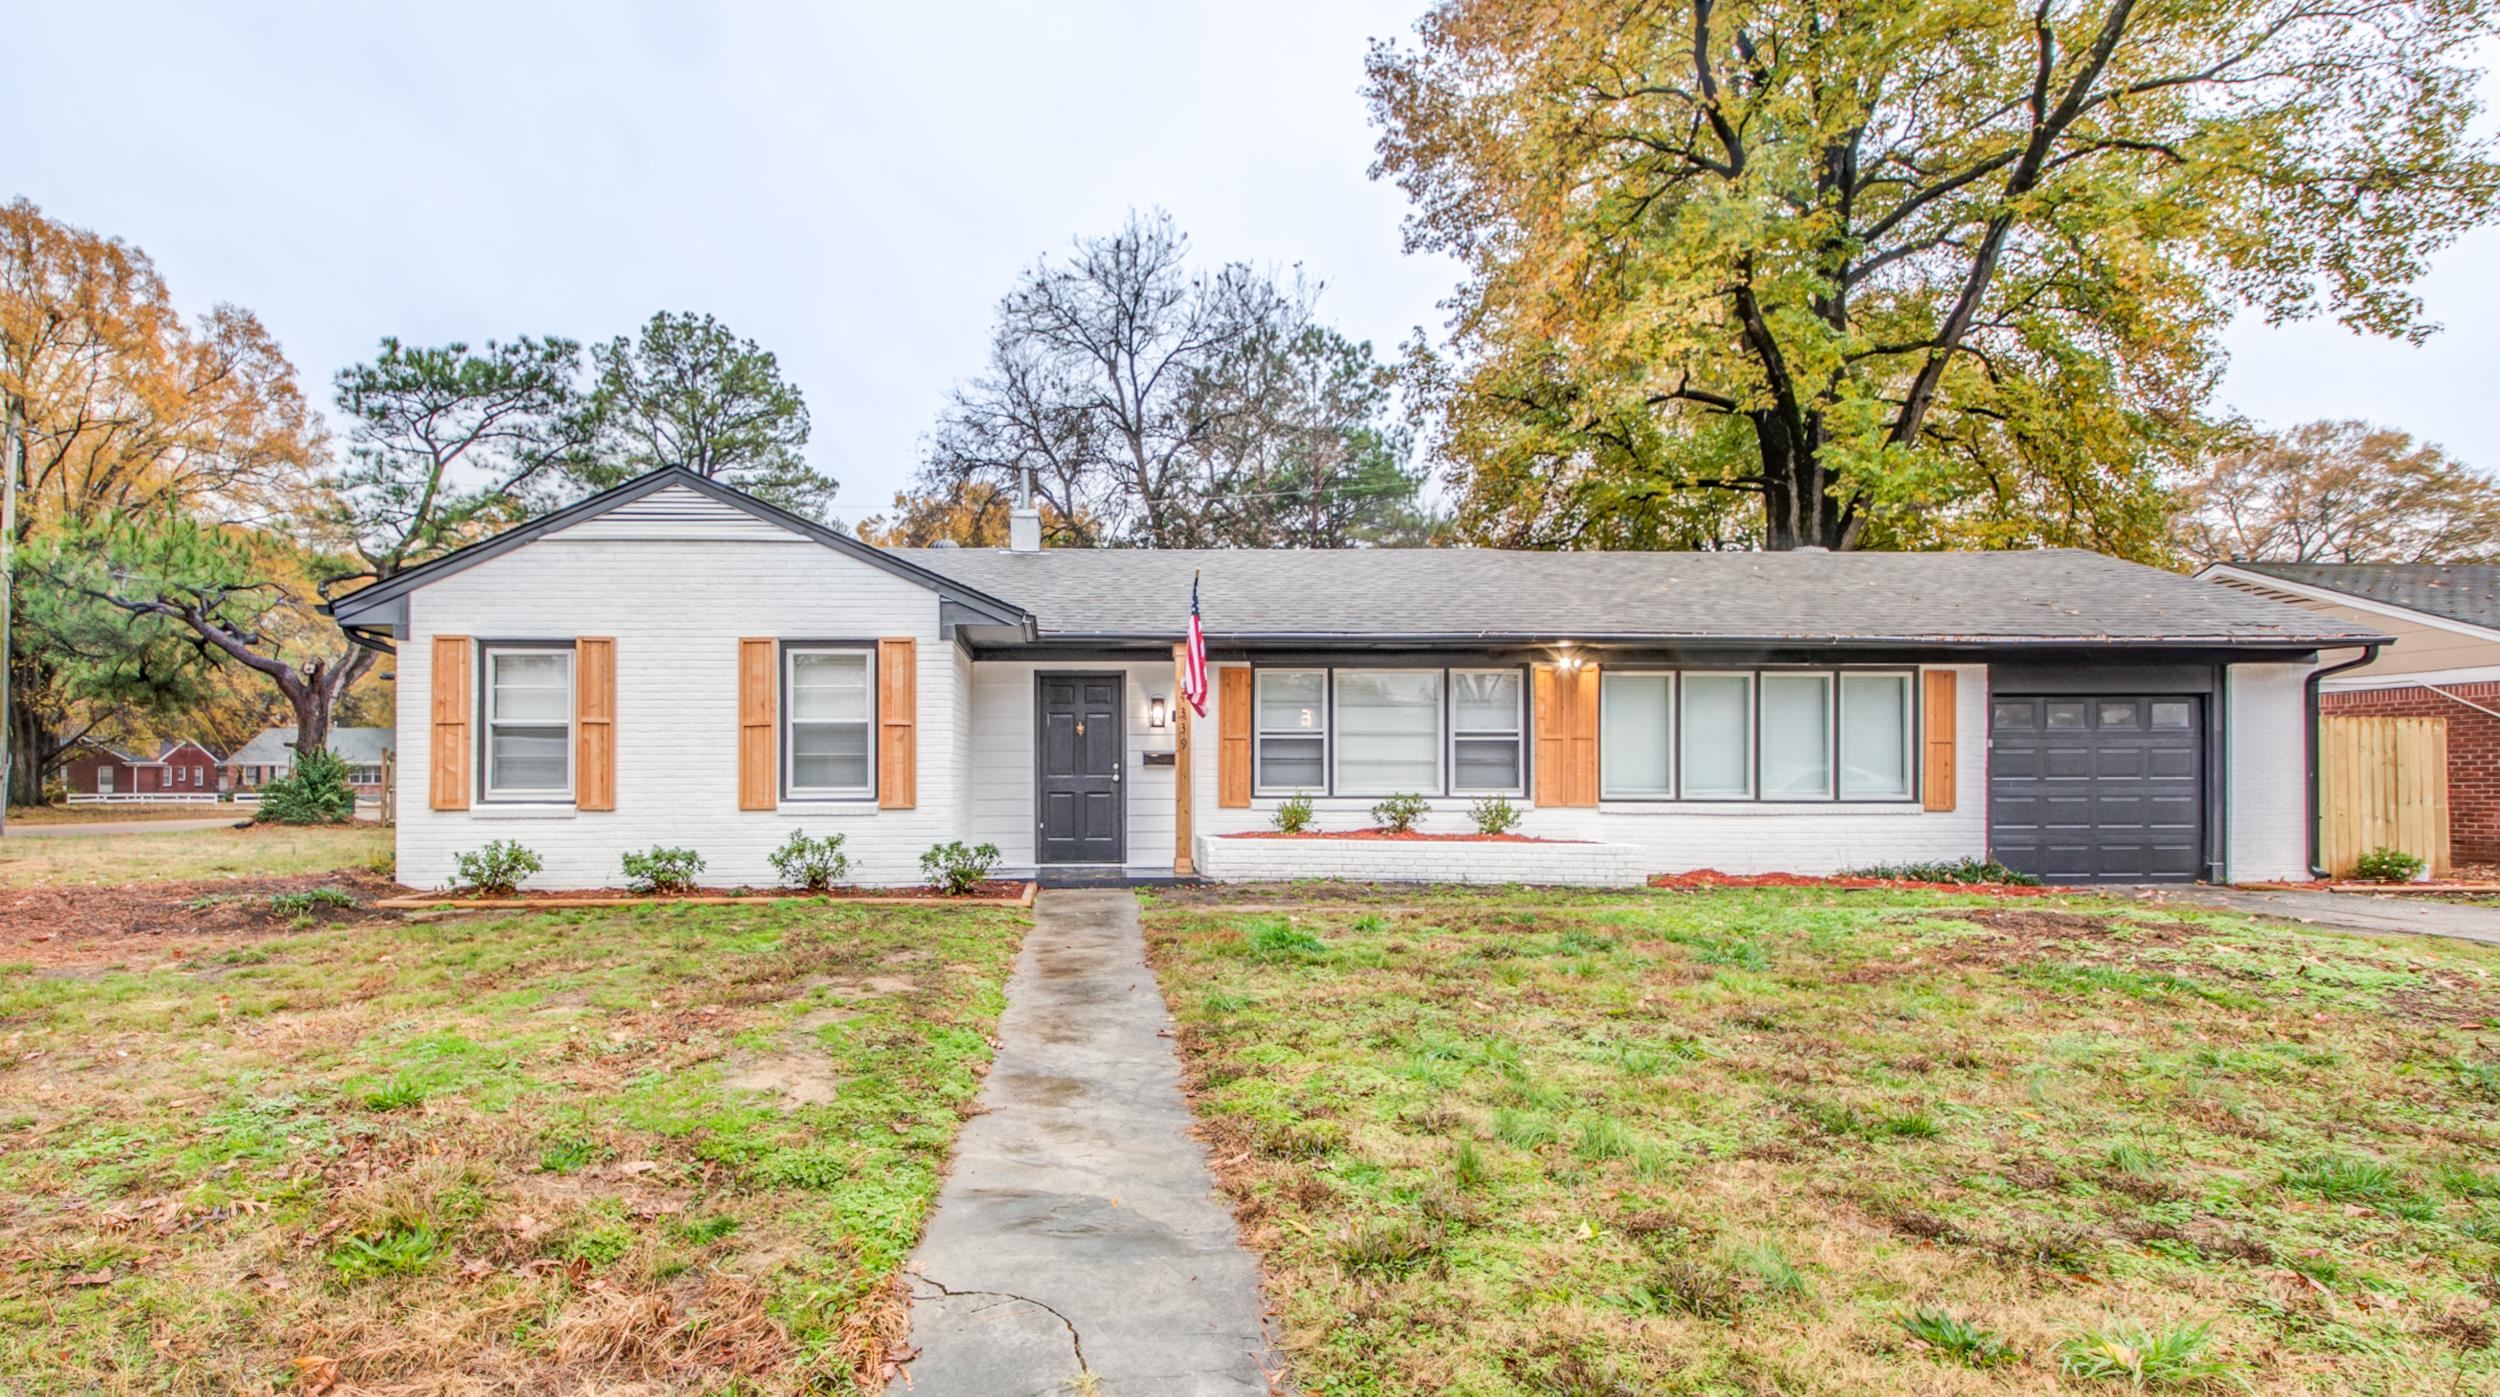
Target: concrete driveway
(2412,914)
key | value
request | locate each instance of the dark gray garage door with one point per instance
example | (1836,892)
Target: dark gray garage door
(2097,789)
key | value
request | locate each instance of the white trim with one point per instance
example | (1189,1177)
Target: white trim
(2414,679)
(1516,733)
(791,790)
(530,794)
(2334,598)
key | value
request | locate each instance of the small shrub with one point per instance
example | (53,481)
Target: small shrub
(813,864)
(498,870)
(398,1252)
(662,870)
(1494,815)
(954,869)
(2174,1357)
(1949,1336)
(314,793)
(1399,813)
(1388,1247)
(1274,938)
(1952,871)
(1295,815)
(309,901)
(2385,865)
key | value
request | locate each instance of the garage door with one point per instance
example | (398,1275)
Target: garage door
(2100,788)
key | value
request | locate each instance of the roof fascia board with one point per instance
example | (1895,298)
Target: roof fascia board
(2336,597)
(2412,679)
(1347,639)
(364,606)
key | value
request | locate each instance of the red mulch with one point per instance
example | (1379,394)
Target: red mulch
(1703,879)
(1412,835)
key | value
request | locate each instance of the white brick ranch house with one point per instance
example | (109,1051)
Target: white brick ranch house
(674,663)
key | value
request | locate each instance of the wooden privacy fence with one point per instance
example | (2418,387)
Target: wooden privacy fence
(2383,784)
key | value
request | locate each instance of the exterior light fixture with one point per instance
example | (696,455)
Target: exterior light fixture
(1158,712)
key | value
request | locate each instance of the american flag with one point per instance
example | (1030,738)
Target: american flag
(1194,675)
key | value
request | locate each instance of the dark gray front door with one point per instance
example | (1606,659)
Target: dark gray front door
(2097,788)
(1076,778)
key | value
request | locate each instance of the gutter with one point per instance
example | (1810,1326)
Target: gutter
(1422,639)
(2309,707)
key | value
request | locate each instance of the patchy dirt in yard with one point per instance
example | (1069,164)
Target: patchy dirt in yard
(68,923)
(1705,879)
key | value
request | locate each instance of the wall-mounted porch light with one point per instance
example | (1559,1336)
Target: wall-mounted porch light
(1158,712)
(1567,660)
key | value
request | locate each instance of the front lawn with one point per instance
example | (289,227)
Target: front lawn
(667,1149)
(1823,1142)
(58,860)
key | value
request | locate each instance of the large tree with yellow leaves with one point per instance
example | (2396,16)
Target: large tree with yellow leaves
(1908,273)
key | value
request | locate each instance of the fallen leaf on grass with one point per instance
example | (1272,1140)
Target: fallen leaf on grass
(317,1372)
(103,1277)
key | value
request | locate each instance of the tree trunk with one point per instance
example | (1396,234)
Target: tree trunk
(311,701)
(1798,510)
(27,747)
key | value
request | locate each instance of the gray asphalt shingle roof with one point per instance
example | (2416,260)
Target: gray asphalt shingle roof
(2049,595)
(2468,592)
(274,746)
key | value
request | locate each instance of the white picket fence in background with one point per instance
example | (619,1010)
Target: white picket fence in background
(144,798)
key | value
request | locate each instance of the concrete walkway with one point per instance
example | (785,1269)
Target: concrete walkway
(2412,914)
(1079,1238)
(69,828)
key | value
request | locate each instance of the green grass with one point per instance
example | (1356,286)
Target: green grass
(534,1152)
(1807,1141)
(80,860)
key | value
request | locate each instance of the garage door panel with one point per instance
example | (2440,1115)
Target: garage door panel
(2097,788)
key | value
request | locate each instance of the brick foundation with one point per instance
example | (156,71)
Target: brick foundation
(2473,753)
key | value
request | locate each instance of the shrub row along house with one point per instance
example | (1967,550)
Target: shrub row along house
(672,662)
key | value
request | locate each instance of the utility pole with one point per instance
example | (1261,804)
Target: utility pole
(10,464)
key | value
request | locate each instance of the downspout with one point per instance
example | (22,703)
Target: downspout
(2309,701)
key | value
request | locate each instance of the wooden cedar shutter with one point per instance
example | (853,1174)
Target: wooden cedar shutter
(1936,773)
(594,723)
(1232,737)
(898,709)
(759,756)
(1565,724)
(449,742)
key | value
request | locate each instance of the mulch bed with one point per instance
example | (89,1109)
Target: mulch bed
(1705,879)
(195,907)
(991,890)
(1408,836)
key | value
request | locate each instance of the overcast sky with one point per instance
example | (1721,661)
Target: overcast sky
(852,187)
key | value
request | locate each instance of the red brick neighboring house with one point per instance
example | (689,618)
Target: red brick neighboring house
(181,769)
(2445,664)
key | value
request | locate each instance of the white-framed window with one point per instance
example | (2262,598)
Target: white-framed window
(1290,731)
(1796,736)
(529,722)
(1388,731)
(1877,729)
(1488,712)
(1636,735)
(828,721)
(1715,750)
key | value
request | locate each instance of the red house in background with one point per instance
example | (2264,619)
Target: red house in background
(182,769)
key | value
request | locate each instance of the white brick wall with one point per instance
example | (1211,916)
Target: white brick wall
(677,607)
(1584,865)
(2267,761)
(1002,776)
(1678,837)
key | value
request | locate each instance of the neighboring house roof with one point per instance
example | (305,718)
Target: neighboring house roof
(377,605)
(276,747)
(2467,592)
(2047,596)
